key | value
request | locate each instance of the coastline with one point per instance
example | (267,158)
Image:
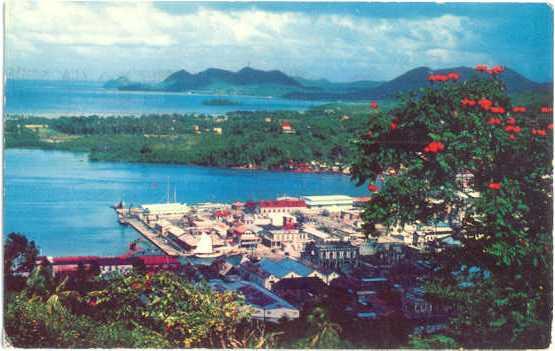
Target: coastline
(121,161)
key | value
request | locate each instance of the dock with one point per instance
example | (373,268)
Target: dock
(154,238)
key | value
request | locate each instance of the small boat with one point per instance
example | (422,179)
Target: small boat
(118,206)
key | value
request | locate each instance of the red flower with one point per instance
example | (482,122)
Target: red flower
(546,109)
(494,121)
(393,125)
(453,76)
(497,110)
(468,102)
(438,78)
(513,129)
(539,132)
(518,109)
(372,188)
(434,147)
(512,137)
(511,120)
(92,303)
(374,105)
(136,286)
(481,68)
(496,70)
(485,104)
(494,186)
(550,126)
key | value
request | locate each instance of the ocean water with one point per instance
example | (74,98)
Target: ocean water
(62,200)
(55,98)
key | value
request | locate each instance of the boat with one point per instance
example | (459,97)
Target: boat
(118,206)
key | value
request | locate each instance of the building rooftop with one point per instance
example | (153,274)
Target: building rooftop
(282,267)
(168,207)
(320,198)
(254,294)
(281,203)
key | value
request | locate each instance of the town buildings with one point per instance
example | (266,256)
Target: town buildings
(338,255)
(262,303)
(297,250)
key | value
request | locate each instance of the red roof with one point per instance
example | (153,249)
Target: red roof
(285,125)
(282,203)
(220,213)
(74,259)
(362,199)
(158,260)
(113,261)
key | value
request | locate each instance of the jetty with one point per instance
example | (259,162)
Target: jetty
(154,238)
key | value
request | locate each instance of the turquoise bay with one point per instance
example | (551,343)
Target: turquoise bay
(55,98)
(62,201)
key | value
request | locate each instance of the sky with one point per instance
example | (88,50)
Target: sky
(337,41)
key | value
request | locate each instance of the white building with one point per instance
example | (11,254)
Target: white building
(329,202)
(165,210)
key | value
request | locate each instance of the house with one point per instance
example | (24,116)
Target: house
(284,206)
(427,317)
(267,272)
(287,128)
(70,265)
(36,127)
(262,303)
(246,235)
(217,130)
(317,235)
(339,254)
(363,296)
(300,291)
(277,238)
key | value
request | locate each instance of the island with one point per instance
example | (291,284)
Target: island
(220,102)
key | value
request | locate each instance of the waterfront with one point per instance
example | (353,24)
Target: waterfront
(55,98)
(61,200)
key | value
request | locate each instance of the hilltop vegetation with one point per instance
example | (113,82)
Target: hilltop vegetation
(322,134)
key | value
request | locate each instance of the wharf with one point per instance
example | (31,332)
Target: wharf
(153,237)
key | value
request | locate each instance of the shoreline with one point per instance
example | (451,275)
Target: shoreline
(235,168)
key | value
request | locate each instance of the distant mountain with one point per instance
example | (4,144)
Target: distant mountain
(215,79)
(117,83)
(417,78)
(250,81)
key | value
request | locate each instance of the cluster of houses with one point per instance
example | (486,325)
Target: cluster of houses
(286,254)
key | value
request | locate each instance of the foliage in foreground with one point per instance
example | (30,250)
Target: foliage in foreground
(164,310)
(499,279)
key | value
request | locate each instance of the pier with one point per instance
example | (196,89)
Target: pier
(154,238)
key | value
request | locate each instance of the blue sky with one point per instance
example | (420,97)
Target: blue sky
(337,41)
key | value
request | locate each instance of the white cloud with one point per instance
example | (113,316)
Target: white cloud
(137,34)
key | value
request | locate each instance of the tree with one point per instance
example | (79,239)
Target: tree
(20,256)
(184,314)
(500,274)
